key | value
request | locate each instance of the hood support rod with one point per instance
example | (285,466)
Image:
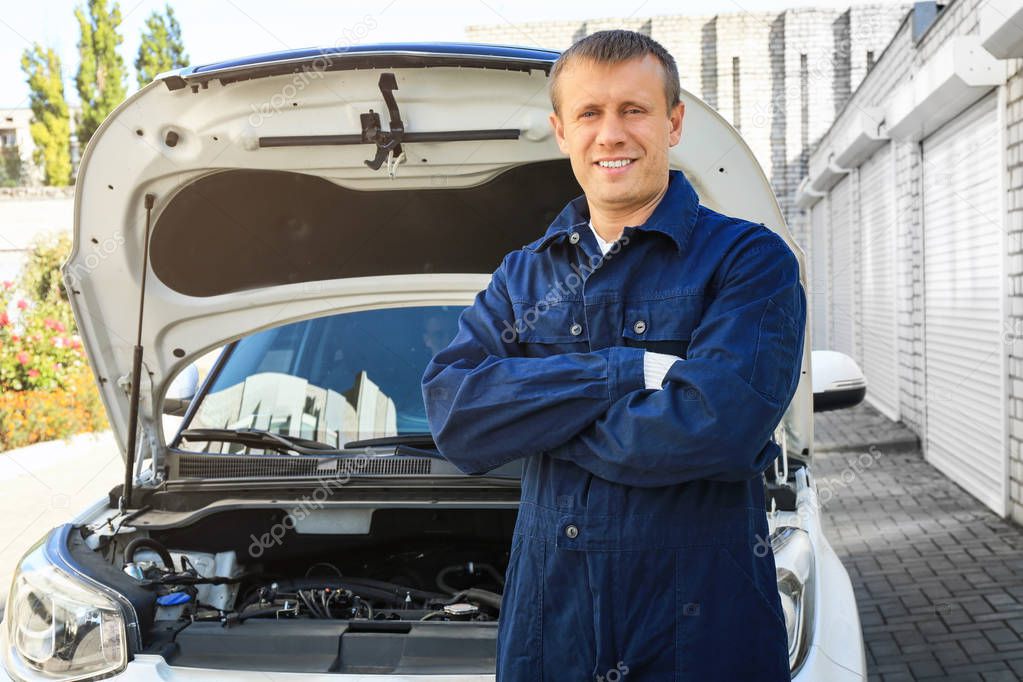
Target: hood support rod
(388,141)
(136,368)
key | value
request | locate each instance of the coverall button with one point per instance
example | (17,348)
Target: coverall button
(574,237)
(576,329)
(639,327)
(571,531)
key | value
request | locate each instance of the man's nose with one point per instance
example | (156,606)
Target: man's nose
(612,131)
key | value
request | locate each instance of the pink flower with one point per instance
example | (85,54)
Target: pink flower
(8,284)
(4,319)
(22,304)
(58,326)
(57,366)
(33,373)
(23,358)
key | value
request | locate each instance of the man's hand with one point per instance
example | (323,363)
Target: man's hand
(655,368)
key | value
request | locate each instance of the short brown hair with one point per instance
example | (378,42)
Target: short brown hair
(613,47)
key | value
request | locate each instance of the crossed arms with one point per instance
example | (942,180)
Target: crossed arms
(488,404)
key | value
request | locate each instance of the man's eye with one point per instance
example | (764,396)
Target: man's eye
(586,114)
(634,111)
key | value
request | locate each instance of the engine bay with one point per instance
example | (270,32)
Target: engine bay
(422,581)
(347,591)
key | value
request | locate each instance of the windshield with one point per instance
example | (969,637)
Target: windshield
(333,379)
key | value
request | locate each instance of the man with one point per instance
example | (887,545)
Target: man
(638,356)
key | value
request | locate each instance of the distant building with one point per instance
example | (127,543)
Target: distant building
(14,130)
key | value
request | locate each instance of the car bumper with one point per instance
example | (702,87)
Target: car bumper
(817,668)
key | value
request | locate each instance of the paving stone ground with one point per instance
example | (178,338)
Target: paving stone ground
(938,577)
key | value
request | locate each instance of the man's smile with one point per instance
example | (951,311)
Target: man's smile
(615,166)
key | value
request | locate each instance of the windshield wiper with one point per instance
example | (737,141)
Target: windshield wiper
(413,440)
(262,438)
(413,444)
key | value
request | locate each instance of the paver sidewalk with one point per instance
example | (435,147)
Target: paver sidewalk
(938,577)
(47,484)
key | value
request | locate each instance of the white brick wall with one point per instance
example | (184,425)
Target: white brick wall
(769,46)
(1014,240)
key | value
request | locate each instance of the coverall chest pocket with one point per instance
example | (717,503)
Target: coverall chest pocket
(663,325)
(548,328)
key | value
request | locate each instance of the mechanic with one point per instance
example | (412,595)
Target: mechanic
(638,357)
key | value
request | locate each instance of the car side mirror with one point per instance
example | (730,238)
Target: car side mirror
(181,391)
(838,382)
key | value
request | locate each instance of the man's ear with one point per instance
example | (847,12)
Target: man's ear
(675,117)
(559,132)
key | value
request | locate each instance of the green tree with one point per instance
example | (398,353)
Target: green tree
(51,122)
(162,48)
(100,79)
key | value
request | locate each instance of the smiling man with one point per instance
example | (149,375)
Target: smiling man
(638,357)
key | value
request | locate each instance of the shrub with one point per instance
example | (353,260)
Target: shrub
(47,390)
(11,167)
(33,416)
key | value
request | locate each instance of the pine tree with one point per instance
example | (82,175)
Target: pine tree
(100,79)
(51,122)
(162,48)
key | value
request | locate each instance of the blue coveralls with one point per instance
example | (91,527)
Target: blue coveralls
(639,546)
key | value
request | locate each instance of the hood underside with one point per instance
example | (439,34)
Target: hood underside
(266,210)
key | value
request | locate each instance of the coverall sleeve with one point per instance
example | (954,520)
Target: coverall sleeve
(714,416)
(488,404)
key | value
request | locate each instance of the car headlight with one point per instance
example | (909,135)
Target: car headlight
(793,557)
(59,628)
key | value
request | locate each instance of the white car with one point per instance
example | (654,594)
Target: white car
(323,216)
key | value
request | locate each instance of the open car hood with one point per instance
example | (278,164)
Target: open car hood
(278,139)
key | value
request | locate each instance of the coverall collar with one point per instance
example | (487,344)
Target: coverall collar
(675,215)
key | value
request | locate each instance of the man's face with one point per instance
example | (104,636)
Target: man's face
(617,112)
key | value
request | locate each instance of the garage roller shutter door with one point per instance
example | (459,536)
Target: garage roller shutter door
(877,278)
(843,261)
(963,290)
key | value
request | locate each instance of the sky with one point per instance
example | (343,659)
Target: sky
(221,29)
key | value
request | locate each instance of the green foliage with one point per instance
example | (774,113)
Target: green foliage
(100,79)
(40,275)
(51,122)
(38,338)
(162,48)
(10,166)
(47,390)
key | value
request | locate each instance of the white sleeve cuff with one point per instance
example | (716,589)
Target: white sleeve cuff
(655,368)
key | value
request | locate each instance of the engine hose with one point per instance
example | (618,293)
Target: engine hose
(148,543)
(444,572)
(494,573)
